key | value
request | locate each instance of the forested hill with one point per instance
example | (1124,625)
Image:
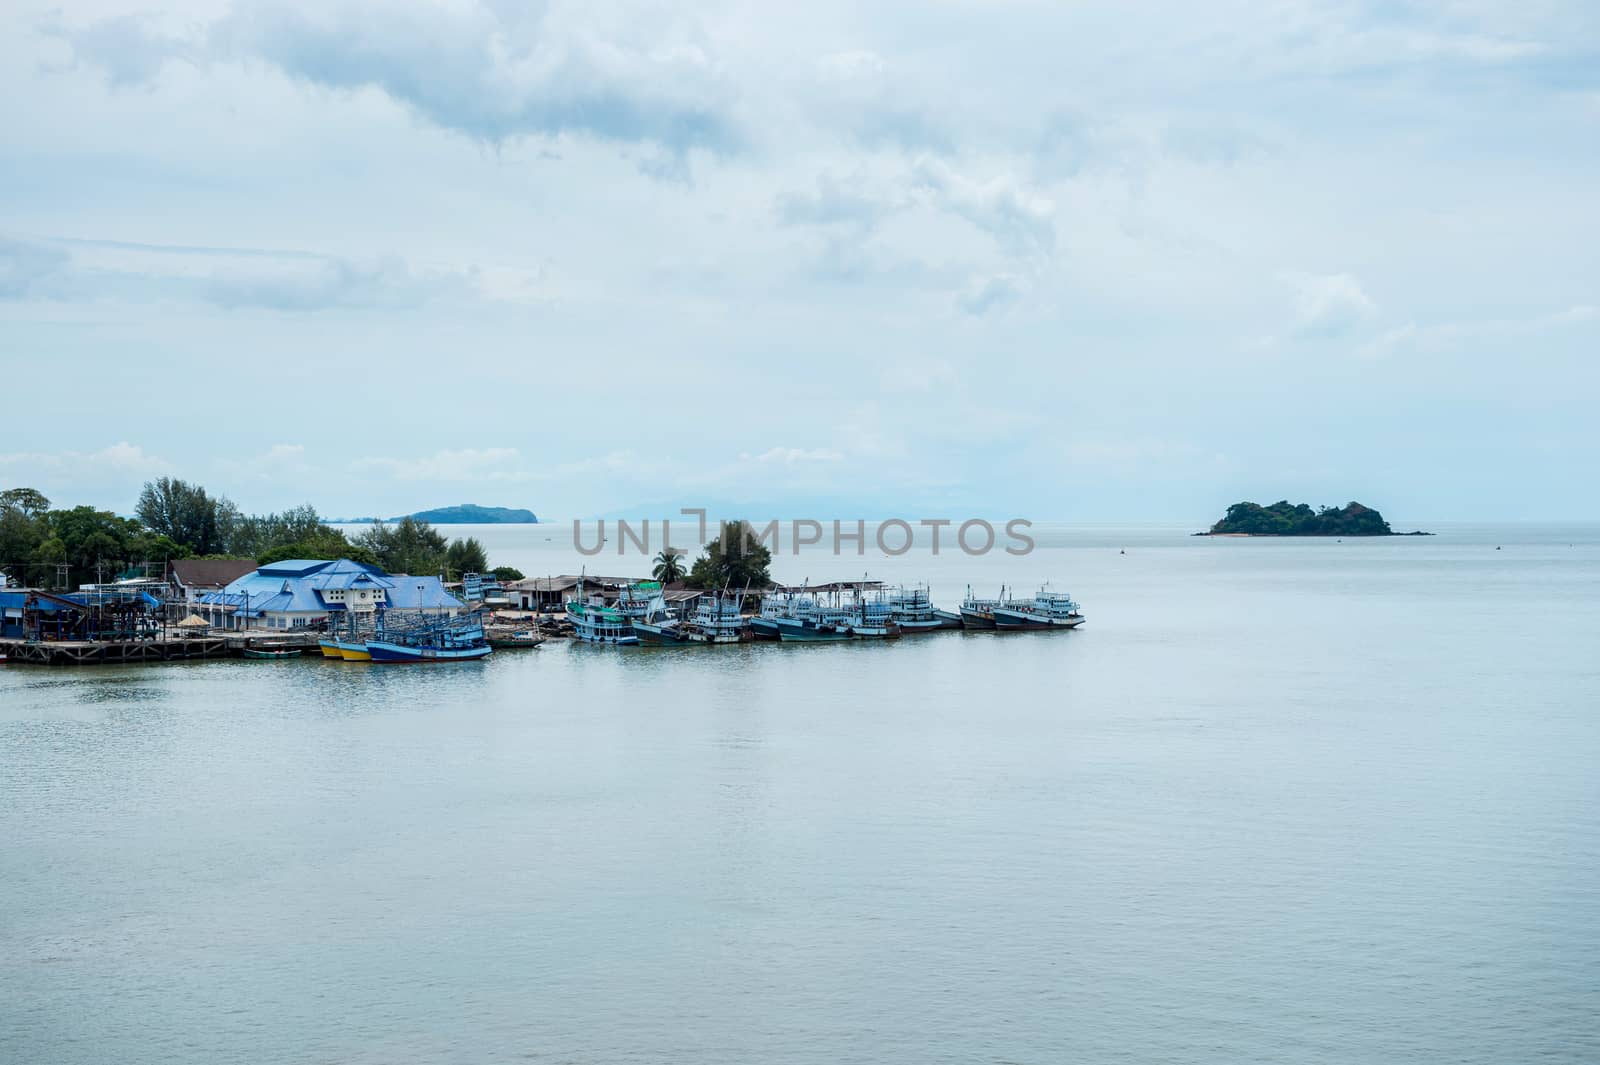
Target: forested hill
(472,514)
(1299,519)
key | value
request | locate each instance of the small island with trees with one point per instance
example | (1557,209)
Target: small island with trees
(1300,519)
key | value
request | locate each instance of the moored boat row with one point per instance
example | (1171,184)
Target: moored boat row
(829,613)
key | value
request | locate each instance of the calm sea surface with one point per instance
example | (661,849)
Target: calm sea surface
(1279,801)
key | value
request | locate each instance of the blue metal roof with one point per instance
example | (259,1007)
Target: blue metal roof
(296,586)
(421,593)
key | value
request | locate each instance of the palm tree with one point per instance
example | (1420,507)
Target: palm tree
(669,566)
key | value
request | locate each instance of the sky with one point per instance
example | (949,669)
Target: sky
(1089,261)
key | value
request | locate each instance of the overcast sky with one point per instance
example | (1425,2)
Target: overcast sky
(1087,261)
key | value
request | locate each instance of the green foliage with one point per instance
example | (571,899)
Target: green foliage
(321,543)
(465,556)
(185,514)
(94,544)
(669,566)
(733,559)
(30,502)
(407,546)
(256,535)
(506,573)
(1285,519)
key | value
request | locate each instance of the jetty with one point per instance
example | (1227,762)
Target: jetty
(172,647)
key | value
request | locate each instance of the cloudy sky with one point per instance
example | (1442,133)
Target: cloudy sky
(1088,261)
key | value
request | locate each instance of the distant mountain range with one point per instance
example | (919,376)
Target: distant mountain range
(464,514)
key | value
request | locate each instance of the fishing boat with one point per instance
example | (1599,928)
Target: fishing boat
(872,616)
(639,600)
(716,619)
(1047,610)
(348,650)
(436,639)
(913,610)
(850,612)
(776,608)
(594,622)
(655,623)
(271,653)
(820,624)
(979,613)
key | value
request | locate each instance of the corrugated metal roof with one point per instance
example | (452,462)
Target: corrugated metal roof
(209,572)
(296,586)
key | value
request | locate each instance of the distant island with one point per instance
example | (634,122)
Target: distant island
(1299,519)
(464,514)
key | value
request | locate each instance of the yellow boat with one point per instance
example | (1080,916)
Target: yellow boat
(330,648)
(354,652)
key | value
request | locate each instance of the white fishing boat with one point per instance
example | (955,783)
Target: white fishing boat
(780,610)
(594,621)
(913,610)
(845,611)
(1047,610)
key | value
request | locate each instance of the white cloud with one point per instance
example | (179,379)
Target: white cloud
(1327,305)
(1020,220)
(789,456)
(464,464)
(1447,336)
(121,457)
(233,279)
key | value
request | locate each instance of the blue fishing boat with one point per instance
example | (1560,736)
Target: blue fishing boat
(778,609)
(436,639)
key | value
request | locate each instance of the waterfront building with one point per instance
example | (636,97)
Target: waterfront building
(306,593)
(192,578)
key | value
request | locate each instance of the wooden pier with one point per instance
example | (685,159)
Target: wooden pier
(170,648)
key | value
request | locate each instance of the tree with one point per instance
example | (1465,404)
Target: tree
(407,546)
(95,543)
(22,529)
(506,573)
(466,556)
(184,513)
(30,502)
(669,566)
(733,559)
(324,543)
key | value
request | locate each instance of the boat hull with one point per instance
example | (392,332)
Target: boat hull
(330,649)
(763,629)
(971,619)
(795,631)
(913,625)
(627,639)
(649,632)
(711,637)
(383,651)
(1019,619)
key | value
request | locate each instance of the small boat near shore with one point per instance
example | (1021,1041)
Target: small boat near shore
(502,640)
(348,650)
(270,654)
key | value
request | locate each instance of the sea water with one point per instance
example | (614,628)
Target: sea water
(1279,800)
